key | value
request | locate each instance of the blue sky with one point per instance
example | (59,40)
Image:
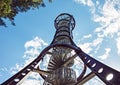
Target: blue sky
(97,32)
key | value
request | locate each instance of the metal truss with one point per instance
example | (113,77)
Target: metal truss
(59,70)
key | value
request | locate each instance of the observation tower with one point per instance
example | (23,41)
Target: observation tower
(63,54)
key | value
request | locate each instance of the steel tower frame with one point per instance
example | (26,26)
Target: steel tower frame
(59,71)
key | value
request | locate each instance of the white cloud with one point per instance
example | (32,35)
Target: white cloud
(109,18)
(88,46)
(81,2)
(78,66)
(36,43)
(106,55)
(34,79)
(17,68)
(4,69)
(118,44)
(0,75)
(88,3)
(87,36)
(97,2)
(33,47)
(32,50)
(107,15)
(85,2)
(32,82)
(97,41)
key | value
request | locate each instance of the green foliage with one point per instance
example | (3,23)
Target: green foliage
(5,8)
(9,8)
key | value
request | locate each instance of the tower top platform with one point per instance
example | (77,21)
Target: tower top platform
(64,19)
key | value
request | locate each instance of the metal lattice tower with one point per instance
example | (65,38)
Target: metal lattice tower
(63,52)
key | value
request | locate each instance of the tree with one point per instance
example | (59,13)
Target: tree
(10,8)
